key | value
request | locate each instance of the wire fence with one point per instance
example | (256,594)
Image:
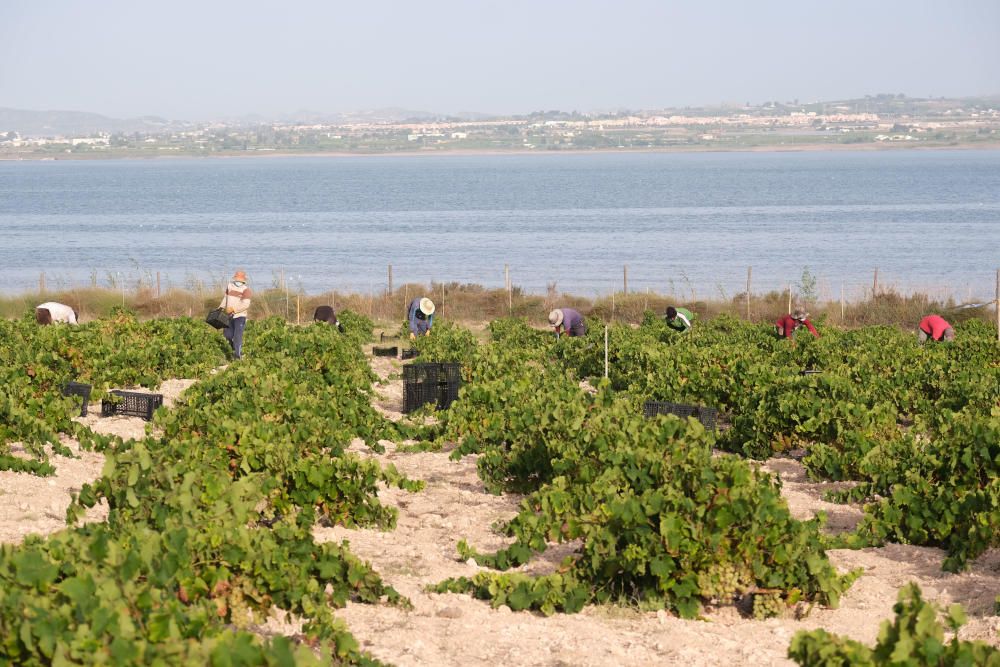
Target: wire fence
(872,301)
(676,283)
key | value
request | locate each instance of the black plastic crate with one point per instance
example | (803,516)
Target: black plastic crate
(707,416)
(420,385)
(449,382)
(394,352)
(131,403)
(431,383)
(78,389)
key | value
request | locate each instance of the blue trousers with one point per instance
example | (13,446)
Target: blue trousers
(234,334)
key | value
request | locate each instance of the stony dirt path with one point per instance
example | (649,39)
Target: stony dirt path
(448,629)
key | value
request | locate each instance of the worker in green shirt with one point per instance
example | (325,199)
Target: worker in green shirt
(679,319)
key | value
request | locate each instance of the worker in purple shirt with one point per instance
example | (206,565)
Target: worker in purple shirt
(567,320)
(420,316)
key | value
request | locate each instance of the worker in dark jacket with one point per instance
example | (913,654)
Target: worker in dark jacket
(420,316)
(568,321)
(328,315)
(935,327)
(787,325)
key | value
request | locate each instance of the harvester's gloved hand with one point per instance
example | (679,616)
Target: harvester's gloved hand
(230,311)
(428,333)
(413,336)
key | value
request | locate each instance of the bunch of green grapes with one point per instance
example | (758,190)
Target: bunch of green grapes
(240,613)
(767,605)
(720,582)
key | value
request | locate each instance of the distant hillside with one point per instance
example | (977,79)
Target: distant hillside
(29,123)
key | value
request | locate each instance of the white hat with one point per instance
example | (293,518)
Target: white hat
(799,313)
(556,317)
(426,306)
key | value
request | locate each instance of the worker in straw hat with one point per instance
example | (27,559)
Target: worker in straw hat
(787,325)
(568,321)
(421,316)
(236,301)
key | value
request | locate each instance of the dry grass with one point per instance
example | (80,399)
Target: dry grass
(474,303)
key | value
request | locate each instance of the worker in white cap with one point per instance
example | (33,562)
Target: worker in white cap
(51,312)
(421,316)
(568,321)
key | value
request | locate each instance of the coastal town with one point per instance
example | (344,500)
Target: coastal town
(874,121)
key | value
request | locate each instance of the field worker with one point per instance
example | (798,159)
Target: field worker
(679,319)
(328,315)
(569,321)
(236,302)
(421,316)
(935,327)
(787,325)
(51,312)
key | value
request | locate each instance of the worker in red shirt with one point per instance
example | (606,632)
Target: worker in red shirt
(935,327)
(787,325)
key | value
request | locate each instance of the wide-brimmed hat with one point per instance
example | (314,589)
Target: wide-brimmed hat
(799,314)
(556,317)
(240,276)
(426,306)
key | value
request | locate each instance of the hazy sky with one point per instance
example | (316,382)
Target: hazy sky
(208,58)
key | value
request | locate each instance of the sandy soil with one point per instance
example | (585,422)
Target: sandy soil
(31,504)
(458,630)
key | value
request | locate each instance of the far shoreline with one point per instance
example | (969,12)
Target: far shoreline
(459,152)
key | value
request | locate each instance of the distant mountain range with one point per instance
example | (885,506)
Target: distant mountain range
(29,123)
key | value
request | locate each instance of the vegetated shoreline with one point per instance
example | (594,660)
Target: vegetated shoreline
(482,152)
(475,304)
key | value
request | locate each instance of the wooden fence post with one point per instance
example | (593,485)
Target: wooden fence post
(749,274)
(158,293)
(875,283)
(41,283)
(510,294)
(997,303)
(789,297)
(605,350)
(390,280)
(625,280)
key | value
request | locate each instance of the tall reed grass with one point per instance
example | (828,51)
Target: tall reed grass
(470,303)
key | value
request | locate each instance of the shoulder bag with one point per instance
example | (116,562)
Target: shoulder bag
(218,317)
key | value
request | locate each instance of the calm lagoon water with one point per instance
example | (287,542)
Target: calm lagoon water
(929,220)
